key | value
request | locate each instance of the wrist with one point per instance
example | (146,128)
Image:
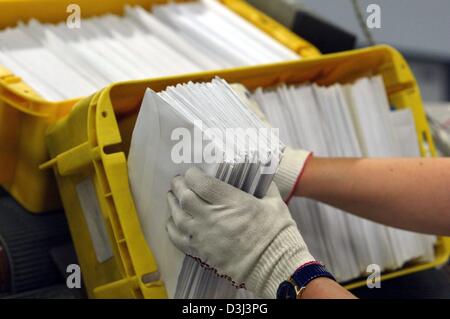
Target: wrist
(319,287)
(283,256)
(296,285)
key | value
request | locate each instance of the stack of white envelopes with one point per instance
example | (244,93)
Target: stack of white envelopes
(62,62)
(209,126)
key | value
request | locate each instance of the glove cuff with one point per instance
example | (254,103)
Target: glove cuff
(290,171)
(279,261)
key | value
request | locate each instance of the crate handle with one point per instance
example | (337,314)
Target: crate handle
(74,160)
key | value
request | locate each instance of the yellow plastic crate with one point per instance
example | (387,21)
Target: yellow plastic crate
(24,115)
(93,141)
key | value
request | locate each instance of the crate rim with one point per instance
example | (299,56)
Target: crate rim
(103,99)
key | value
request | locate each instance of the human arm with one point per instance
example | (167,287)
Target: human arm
(408,193)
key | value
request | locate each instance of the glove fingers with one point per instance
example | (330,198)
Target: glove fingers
(180,218)
(194,205)
(178,238)
(178,187)
(190,202)
(211,189)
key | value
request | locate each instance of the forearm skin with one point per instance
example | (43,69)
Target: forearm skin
(408,193)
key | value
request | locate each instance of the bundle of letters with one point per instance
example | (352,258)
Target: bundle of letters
(60,62)
(207,125)
(351,120)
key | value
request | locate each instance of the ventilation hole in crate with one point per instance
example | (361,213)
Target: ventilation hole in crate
(114,148)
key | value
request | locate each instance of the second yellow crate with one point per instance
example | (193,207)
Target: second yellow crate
(90,148)
(24,115)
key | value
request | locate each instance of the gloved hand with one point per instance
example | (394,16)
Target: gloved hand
(250,240)
(293,161)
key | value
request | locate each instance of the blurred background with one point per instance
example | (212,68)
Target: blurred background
(419,29)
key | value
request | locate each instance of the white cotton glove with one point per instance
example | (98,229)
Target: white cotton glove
(293,161)
(248,240)
(290,171)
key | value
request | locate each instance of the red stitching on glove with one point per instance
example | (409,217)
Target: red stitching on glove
(208,267)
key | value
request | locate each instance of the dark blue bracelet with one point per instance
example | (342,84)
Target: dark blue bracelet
(289,289)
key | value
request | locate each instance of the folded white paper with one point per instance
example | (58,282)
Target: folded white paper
(61,62)
(248,162)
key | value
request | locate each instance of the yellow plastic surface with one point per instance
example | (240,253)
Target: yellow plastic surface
(24,115)
(93,142)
